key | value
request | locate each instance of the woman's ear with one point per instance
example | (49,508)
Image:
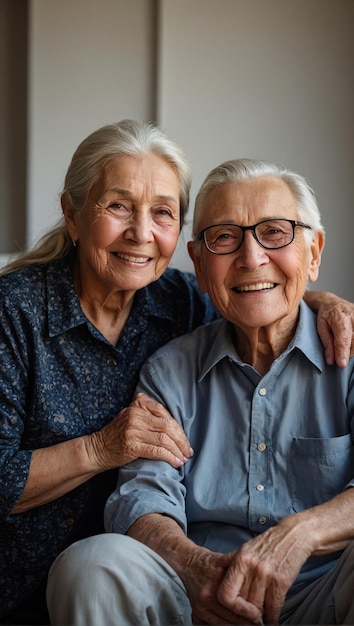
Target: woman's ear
(194,253)
(71,216)
(316,248)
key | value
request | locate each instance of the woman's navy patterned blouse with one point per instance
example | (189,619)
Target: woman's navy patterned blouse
(59,379)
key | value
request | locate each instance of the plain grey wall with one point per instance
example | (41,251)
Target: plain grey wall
(13,124)
(274,80)
(92,62)
(227,78)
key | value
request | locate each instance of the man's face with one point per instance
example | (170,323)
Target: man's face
(255,287)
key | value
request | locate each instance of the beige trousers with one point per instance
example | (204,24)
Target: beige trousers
(113,580)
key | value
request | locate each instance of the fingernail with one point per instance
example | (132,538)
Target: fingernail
(191,451)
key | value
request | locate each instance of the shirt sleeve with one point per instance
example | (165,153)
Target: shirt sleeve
(14,383)
(145,486)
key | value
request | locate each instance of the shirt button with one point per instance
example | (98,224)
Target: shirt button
(111,361)
(69,521)
(260,487)
(261,447)
(262,520)
(262,392)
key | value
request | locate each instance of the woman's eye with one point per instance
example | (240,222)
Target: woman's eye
(163,212)
(118,209)
(116,205)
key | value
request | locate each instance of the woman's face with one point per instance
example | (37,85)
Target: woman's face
(255,287)
(129,228)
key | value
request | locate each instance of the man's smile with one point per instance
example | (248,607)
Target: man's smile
(254,287)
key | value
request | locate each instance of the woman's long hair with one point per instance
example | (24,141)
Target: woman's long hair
(125,138)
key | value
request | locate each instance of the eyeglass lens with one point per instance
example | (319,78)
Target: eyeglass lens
(272,234)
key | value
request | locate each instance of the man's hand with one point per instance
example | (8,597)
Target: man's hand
(335,325)
(263,570)
(201,570)
(202,577)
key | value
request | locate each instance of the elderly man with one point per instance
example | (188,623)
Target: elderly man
(258,524)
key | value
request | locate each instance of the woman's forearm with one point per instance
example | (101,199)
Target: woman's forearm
(55,471)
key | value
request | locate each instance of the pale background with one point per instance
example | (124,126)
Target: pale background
(227,78)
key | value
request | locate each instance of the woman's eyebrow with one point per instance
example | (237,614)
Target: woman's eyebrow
(122,192)
(163,198)
(128,194)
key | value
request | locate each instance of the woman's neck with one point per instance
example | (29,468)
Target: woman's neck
(108,312)
(108,318)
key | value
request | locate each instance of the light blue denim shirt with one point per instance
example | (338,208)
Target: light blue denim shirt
(264,446)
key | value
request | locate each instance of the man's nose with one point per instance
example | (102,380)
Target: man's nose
(250,254)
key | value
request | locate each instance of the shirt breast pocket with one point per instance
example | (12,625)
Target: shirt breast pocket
(320,469)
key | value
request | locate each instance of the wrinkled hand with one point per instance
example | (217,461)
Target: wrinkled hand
(263,570)
(202,577)
(143,429)
(335,324)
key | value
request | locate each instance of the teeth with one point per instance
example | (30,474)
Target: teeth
(257,287)
(133,259)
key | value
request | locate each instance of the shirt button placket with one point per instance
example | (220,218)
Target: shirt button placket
(260,488)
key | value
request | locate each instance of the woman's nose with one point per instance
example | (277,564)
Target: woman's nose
(139,228)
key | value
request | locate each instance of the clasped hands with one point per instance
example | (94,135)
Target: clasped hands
(247,586)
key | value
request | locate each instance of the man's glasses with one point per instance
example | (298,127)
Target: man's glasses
(270,234)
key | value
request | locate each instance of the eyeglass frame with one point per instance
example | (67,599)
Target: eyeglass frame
(294,223)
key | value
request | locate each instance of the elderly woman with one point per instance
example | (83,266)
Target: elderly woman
(79,316)
(259,523)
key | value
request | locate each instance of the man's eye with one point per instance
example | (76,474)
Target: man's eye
(224,236)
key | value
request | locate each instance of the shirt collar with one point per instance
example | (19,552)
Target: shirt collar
(63,304)
(154,297)
(65,312)
(306,340)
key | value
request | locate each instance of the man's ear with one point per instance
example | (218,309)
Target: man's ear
(71,216)
(194,253)
(316,248)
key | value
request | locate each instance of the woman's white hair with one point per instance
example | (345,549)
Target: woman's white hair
(238,170)
(125,138)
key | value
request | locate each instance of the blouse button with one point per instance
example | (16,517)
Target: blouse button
(262,392)
(261,447)
(111,361)
(260,487)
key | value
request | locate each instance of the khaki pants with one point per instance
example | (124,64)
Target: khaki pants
(112,580)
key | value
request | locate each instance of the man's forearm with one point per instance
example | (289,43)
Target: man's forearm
(331,524)
(163,535)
